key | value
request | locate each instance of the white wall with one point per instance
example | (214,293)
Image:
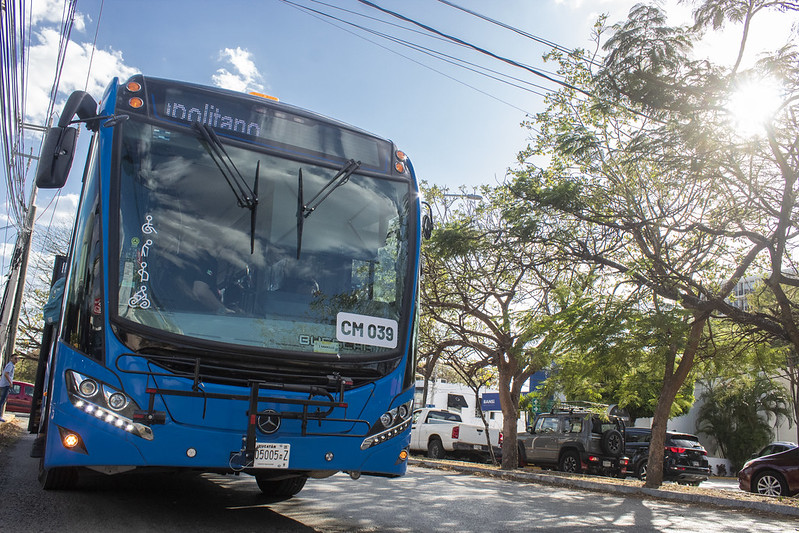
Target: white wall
(687,424)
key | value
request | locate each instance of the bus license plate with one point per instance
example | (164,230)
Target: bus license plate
(271,455)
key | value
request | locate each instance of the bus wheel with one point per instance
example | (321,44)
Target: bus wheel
(280,488)
(60,478)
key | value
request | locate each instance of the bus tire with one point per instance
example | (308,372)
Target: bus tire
(59,478)
(280,488)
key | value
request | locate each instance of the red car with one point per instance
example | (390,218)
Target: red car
(20,397)
(772,475)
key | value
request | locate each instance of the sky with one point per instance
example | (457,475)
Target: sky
(459,128)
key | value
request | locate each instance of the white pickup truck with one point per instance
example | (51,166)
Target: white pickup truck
(439,432)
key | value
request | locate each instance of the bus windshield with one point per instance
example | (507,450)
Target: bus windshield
(197,261)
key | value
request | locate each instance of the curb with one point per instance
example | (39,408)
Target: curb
(584,484)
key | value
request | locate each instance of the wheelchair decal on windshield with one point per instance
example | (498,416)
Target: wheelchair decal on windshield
(140,299)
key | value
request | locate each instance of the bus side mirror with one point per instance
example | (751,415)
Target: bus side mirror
(58,149)
(55,159)
(427,221)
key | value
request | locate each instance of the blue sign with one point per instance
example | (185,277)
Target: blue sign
(490,402)
(536,380)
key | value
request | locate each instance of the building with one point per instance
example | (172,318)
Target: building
(460,399)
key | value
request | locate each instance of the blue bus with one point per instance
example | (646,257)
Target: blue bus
(240,291)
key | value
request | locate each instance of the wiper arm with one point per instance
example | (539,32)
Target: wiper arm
(341,177)
(304,210)
(254,207)
(300,213)
(246,197)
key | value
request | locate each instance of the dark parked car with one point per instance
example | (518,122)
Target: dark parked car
(20,397)
(684,459)
(774,447)
(772,475)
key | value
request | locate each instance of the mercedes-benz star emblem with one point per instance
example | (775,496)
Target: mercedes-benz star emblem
(269,421)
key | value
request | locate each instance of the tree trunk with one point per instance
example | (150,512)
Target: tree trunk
(510,455)
(672,381)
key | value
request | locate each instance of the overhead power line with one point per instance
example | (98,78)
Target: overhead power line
(535,72)
(528,35)
(325,16)
(479,69)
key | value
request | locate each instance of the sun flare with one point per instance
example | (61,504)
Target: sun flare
(753,105)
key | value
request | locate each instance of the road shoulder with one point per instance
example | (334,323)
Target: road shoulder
(740,501)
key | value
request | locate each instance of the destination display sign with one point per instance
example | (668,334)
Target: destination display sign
(257,120)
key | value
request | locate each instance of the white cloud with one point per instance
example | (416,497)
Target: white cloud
(54,12)
(58,210)
(245,75)
(105,64)
(6,252)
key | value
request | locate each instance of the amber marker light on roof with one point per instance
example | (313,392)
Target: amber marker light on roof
(401,155)
(136,102)
(267,96)
(133,86)
(399,167)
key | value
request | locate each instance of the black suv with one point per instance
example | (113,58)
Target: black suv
(575,440)
(684,460)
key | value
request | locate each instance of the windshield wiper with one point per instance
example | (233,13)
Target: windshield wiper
(304,210)
(341,177)
(246,197)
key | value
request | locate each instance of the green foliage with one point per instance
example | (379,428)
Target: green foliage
(25,369)
(618,356)
(648,178)
(739,415)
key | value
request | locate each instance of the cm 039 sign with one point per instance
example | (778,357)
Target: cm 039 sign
(369,330)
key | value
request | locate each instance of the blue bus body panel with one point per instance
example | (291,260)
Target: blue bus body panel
(202,433)
(220,432)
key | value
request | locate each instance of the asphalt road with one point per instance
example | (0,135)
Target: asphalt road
(424,500)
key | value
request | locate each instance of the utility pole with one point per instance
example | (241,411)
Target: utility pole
(15,287)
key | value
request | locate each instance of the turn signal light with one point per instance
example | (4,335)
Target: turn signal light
(71,440)
(136,102)
(403,455)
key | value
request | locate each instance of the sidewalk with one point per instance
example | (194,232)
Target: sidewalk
(741,501)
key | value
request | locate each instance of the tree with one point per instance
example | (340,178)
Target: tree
(737,414)
(473,372)
(55,241)
(495,299)
(617,357)
(651,180)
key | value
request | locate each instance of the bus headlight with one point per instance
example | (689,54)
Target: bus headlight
(113,406)
(390,424)
(117,401)
(86,387)
(387,418)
